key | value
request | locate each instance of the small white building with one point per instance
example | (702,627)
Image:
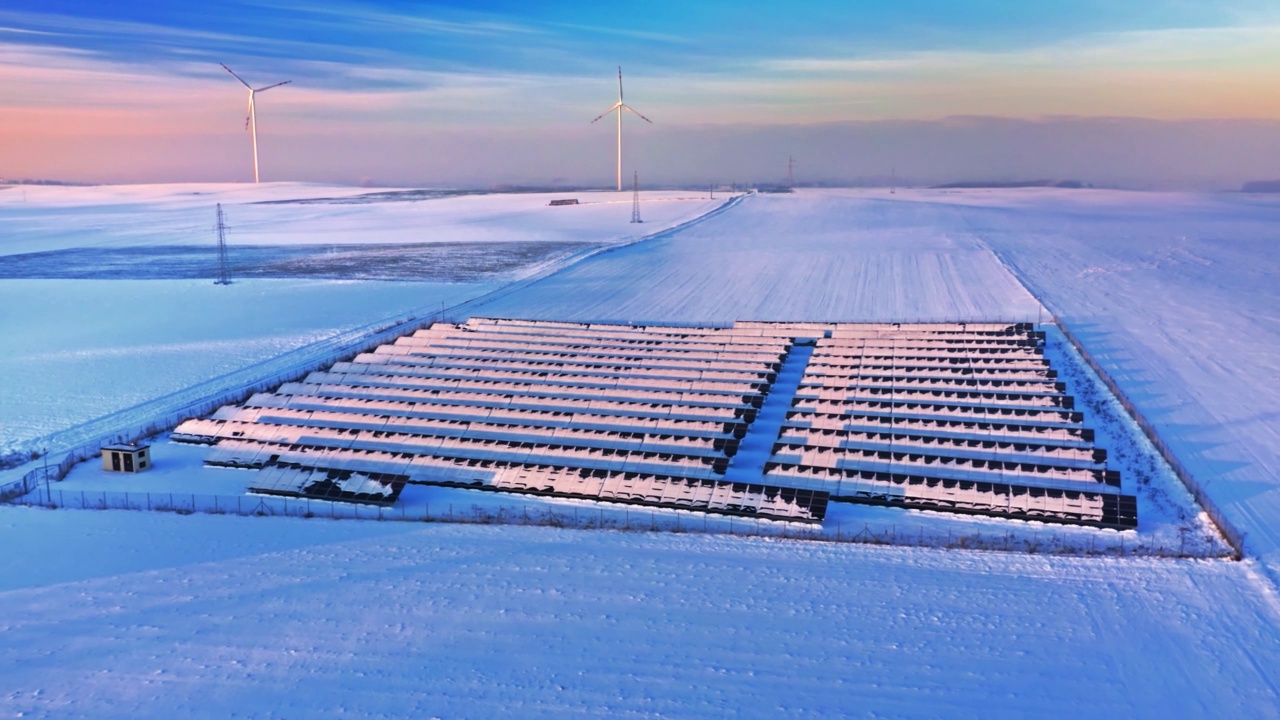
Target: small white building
(126,457)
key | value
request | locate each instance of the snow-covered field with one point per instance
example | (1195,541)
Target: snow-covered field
(108,615)
(76,350)
(140,614)
(815,256)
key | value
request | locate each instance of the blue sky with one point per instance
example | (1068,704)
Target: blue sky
(577,37)
(123,69)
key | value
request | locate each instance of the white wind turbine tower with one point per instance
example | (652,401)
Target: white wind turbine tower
(619,107)
(251,122)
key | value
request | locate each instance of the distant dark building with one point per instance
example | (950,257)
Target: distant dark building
(1262,186)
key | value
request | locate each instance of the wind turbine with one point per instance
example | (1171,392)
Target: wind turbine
(251,122)
(619,107)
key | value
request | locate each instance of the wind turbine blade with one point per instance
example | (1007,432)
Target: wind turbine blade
(249,114)
(286,82)
(606,112)
(619,84)
(242,82)
(633,112)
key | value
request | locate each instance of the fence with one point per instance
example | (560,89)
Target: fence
(620,518)
(1233,536)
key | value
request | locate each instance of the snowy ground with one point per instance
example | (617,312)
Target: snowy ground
(131,614)
(76,350)
(303,618)
(815,257)
(132,340)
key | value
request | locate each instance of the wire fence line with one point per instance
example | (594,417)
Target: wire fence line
(1232,534)
(614,517)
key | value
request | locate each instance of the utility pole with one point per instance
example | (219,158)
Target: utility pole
(791,175)
(635,198)
(223,278)
(893,180)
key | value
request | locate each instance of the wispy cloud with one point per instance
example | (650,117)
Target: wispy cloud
(1202,47)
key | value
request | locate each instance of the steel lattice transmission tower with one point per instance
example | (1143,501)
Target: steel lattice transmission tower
(635,198)
(223,277)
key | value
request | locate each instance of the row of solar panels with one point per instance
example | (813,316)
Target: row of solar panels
(816,370)
(425,467)
(291,480)
(720,361)
(632,408)
(564,327)
(1013,352)
(589,339)
(909,394)
(921,343)
(737,330)
(1002,499)
(933,360)
(592,340)
(968,447)
(729,360)
(680,350)
(938,409)
(699,397)
(940,463)
(740,384)
(937,328)
(789,329)
(575,365)
(944,427)
(753,500)
(390,415)
(935,341)
(418,435)
(871,379)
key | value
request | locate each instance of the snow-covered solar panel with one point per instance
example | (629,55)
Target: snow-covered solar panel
(932,414)
(291,480)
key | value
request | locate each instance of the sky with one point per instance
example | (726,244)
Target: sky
(1143,93)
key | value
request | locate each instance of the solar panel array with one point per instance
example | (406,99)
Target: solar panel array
(645,415)
(957,417)
(965,417)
